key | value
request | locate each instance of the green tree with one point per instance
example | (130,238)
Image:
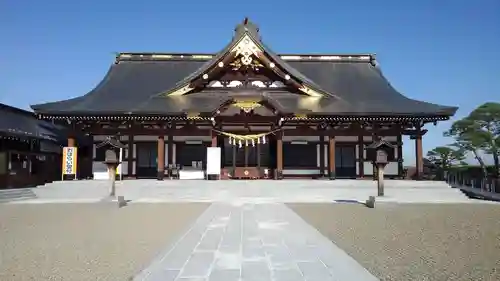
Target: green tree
(445,157)
(487,119)
(479,132)
(468,138)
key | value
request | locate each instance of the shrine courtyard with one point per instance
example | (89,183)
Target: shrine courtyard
(255,236)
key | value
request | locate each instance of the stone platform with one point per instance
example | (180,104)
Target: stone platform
(252,191)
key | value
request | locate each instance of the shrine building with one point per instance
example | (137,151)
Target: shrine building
(273,115)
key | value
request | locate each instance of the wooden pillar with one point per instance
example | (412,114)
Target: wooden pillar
(257,147)
(170,149)
(322,156)
(375,138)
(170,154)
(130,159)
(361,158)
(161,157)
(245,150)
(419,157)
(279,155)
(235,150)
(214,139)
(399,155)
(71,142)
(331,157)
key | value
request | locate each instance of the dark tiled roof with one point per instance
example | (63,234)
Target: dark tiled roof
(134,85)
(19,123)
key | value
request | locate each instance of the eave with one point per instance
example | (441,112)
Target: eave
(209,116)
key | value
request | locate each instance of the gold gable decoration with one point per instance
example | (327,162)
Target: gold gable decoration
(246,140)
(246,48)
(247,106)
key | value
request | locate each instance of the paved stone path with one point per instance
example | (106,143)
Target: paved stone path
(253,242)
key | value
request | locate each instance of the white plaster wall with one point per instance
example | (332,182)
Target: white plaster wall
(174,155)
(300,172)
(98,138)
(368,168)
(346,138)
(145,138)
(390,138)
(192,138)
(300,138)
(387,138)
(318,153)
(391,169)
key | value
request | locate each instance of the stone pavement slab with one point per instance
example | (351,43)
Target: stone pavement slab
(253,242)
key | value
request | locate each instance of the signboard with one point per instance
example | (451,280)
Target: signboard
(69,161)
(213,160)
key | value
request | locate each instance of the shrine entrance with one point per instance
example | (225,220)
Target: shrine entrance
(250,160)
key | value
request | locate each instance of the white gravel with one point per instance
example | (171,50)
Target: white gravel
(87,241)
(424,242)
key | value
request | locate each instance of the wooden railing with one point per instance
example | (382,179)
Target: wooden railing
(479,187)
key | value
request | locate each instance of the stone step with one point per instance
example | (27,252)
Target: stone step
(16,194)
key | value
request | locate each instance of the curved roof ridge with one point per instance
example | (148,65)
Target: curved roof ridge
(100,84)
(378,70)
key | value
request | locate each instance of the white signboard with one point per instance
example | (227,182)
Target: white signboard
(213,160)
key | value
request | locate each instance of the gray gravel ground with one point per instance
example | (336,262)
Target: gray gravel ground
(415,241)
(87,241)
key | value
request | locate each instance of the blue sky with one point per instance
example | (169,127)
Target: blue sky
(445,51)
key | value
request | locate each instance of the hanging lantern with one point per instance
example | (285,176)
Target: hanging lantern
(239,142)
(253,142)
(264,139)
(258,140)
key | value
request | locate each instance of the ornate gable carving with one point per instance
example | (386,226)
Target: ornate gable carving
(247,64)
(246,49)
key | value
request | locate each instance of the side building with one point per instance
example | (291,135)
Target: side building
(30,149)
(274,116)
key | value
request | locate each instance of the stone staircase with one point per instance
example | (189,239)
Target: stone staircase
(8,195)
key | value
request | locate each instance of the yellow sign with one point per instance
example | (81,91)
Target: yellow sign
(69,160)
